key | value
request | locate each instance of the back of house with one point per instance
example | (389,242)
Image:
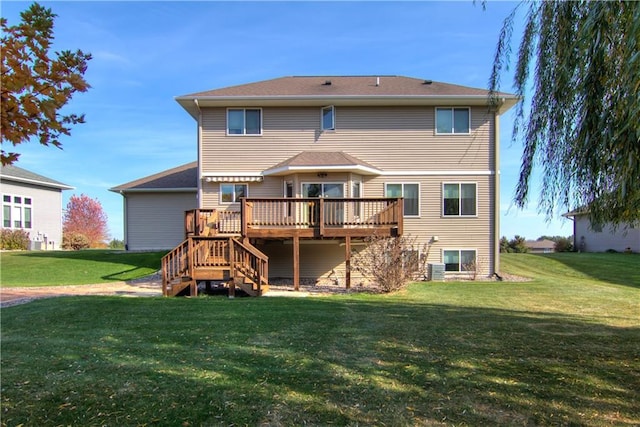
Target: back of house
(291,144)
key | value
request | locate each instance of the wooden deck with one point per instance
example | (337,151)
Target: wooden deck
(316,218)
(217,242)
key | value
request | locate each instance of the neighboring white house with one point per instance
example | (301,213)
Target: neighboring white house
(33,203)
(587,238)
(154,207)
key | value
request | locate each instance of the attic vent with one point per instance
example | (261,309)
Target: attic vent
(326,83)
(427,82)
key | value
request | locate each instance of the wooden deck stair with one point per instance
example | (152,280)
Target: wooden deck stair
(224,259)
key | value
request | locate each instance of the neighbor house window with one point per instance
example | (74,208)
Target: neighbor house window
(244,121)
(16,211)
(453,120)
(231,193)
(410,192)
(459,199)
(459,260)
(328,118)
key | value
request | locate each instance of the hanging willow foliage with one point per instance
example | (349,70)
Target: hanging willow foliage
(581,124)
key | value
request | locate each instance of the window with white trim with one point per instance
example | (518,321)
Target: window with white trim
(459,199)
(328,119)
(453,120)
(458,260)
(411,194)
(231,193)
(244,121)
(16,211)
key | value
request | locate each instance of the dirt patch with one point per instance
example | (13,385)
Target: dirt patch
(151,286)
(144,287)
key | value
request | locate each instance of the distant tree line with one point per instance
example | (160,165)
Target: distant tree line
(518,244)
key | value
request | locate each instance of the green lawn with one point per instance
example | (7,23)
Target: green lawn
(52,268)
(562,349)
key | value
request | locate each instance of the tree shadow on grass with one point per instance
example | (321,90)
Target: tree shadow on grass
(616,268)
(285,361)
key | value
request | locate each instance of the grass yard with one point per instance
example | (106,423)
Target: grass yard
(52,268)
(562,349)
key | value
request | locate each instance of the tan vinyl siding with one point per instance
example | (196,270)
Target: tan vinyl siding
(400,141)
(399,138)
(156,220)
(317,259)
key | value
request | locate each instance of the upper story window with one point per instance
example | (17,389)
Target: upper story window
(453,120)
(16,211)
(411,194)
(459,199)
(244,121)
(328,118)
(231,193)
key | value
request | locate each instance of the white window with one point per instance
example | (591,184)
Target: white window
(459,199)
(458,260)
(231,193)
(328,118)
(244,121)
(16,211)
(453,120)
(411,194)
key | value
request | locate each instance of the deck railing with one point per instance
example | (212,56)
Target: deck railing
(321,212)
(297,213)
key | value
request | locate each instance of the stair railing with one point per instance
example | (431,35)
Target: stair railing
(175,265)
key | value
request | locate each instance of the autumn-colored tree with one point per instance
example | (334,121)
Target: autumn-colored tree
(34,85)
(84,217)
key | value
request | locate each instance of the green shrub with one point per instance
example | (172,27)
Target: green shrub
(75,241)
(116,244)
(14,239)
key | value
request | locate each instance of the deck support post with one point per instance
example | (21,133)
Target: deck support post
(296,263)
(347,262)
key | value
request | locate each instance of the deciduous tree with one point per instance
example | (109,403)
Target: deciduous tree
(36,84)
(578,69)
(85,217)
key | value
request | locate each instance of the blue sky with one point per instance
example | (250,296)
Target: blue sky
(147,53)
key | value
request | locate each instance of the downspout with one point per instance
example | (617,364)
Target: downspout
(496,177)
(126,222)
(199,194)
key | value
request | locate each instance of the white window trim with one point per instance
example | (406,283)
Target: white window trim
(244,134)
(452,133)
(459,203)
(333,113)
(12,205)
(232,183)
(459,250)
(403,184)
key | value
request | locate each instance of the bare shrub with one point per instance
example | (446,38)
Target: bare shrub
(391,262)
(475,267)
(75,241)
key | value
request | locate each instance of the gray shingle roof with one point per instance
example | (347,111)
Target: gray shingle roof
(344,85)
(319,160)
(17,174)
(181,178)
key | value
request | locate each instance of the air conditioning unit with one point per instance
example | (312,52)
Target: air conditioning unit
(436,272)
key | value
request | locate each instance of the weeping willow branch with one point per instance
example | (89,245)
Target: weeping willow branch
(578,70)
